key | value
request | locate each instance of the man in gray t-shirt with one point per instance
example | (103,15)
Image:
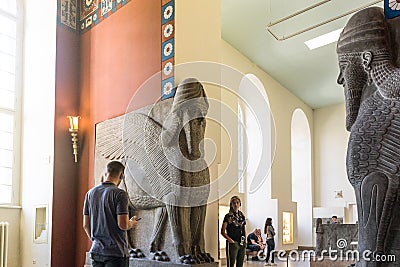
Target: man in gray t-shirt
(106,220)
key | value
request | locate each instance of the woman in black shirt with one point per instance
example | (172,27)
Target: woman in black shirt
(234,231)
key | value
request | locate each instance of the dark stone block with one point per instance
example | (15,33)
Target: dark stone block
(152,263)
(330,234)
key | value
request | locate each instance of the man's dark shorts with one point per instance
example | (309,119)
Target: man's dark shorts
(253,247)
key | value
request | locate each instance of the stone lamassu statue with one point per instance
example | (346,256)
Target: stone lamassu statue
(371,83)
(164,153)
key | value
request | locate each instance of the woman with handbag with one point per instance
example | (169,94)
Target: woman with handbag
(233,229)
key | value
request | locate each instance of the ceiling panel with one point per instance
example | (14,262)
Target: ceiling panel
(310,75)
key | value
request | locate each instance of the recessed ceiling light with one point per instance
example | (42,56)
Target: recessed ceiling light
(324,39)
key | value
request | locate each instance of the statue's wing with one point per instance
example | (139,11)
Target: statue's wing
(136,137)
(109,138)
(141,142)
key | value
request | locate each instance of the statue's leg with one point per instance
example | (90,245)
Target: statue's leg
(197,220)
(370,197)
(174,216)
(158,229)
(130,239)
(391,196)
(185,228)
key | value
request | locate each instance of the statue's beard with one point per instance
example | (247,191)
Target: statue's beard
(353,102)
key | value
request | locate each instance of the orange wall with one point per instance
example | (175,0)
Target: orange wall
(65,169)
(97,74)
(117,57)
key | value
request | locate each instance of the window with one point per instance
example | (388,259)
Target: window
(10,54)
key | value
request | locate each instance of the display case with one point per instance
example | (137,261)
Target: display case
(287,228)
(41,225)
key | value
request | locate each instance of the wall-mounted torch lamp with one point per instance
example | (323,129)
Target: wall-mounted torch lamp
(73,129)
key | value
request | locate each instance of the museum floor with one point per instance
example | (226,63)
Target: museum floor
(296,264)
(279,264)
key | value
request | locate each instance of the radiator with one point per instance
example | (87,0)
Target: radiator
(3,243)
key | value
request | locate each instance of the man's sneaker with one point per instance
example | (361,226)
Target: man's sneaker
(267,264)
(274,264)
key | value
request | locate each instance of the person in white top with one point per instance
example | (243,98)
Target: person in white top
(269,231)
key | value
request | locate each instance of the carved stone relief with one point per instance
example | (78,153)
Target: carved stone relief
(167,178)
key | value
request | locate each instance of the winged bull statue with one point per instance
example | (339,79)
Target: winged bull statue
(168,173)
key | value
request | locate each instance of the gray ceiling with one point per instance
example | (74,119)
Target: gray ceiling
(309,74)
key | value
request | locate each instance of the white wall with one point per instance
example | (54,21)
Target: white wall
(38,124)
(330,146)
(301,176)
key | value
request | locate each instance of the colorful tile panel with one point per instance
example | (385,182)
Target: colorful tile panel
(167,31)
(92,12)
(167,48)
(95,11)
(168,89)
(391,8)
(87,7)
(67,13)
(167,69)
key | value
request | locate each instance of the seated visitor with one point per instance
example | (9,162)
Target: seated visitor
(255,243)
(334,220)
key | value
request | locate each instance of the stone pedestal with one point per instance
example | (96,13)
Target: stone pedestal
(143,262)
(330,263)
(134,262)
(331,234)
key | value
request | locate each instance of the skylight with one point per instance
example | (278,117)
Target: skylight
(324,39)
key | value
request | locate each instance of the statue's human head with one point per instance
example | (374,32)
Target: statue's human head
(190,95)
(364,38)
(190,106)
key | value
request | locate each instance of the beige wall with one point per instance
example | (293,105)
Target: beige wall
(282,103)
(12,215)
(193,31)
(330,146)
(195,42)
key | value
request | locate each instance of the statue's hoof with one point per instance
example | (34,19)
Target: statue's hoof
(188,259)
(136,253)
(196,259)
(208,257)
(160,256)
(199,258)
(203,258)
